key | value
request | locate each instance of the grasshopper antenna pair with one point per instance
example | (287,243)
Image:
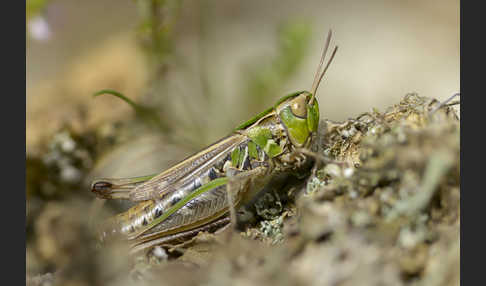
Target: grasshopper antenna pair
(318,76)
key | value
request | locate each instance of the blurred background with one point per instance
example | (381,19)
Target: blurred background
(196,69)
(219,52)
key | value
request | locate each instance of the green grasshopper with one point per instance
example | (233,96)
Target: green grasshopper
(201,192)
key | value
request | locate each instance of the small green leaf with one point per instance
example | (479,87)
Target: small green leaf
(147,114)
(119,95)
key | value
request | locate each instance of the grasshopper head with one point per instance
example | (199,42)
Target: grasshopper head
(300,117)
(299,112)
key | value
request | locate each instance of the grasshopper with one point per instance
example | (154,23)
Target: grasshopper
(201,192)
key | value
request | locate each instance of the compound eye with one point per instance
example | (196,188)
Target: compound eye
(299,107)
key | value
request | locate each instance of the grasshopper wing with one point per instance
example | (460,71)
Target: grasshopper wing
(185,171)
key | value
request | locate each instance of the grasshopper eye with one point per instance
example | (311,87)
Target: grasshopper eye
(299,107)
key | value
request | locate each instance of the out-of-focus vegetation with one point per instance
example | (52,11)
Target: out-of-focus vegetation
(155,30)
(34,7)
(264,77)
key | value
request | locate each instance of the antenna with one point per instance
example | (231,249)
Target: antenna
(318,77)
